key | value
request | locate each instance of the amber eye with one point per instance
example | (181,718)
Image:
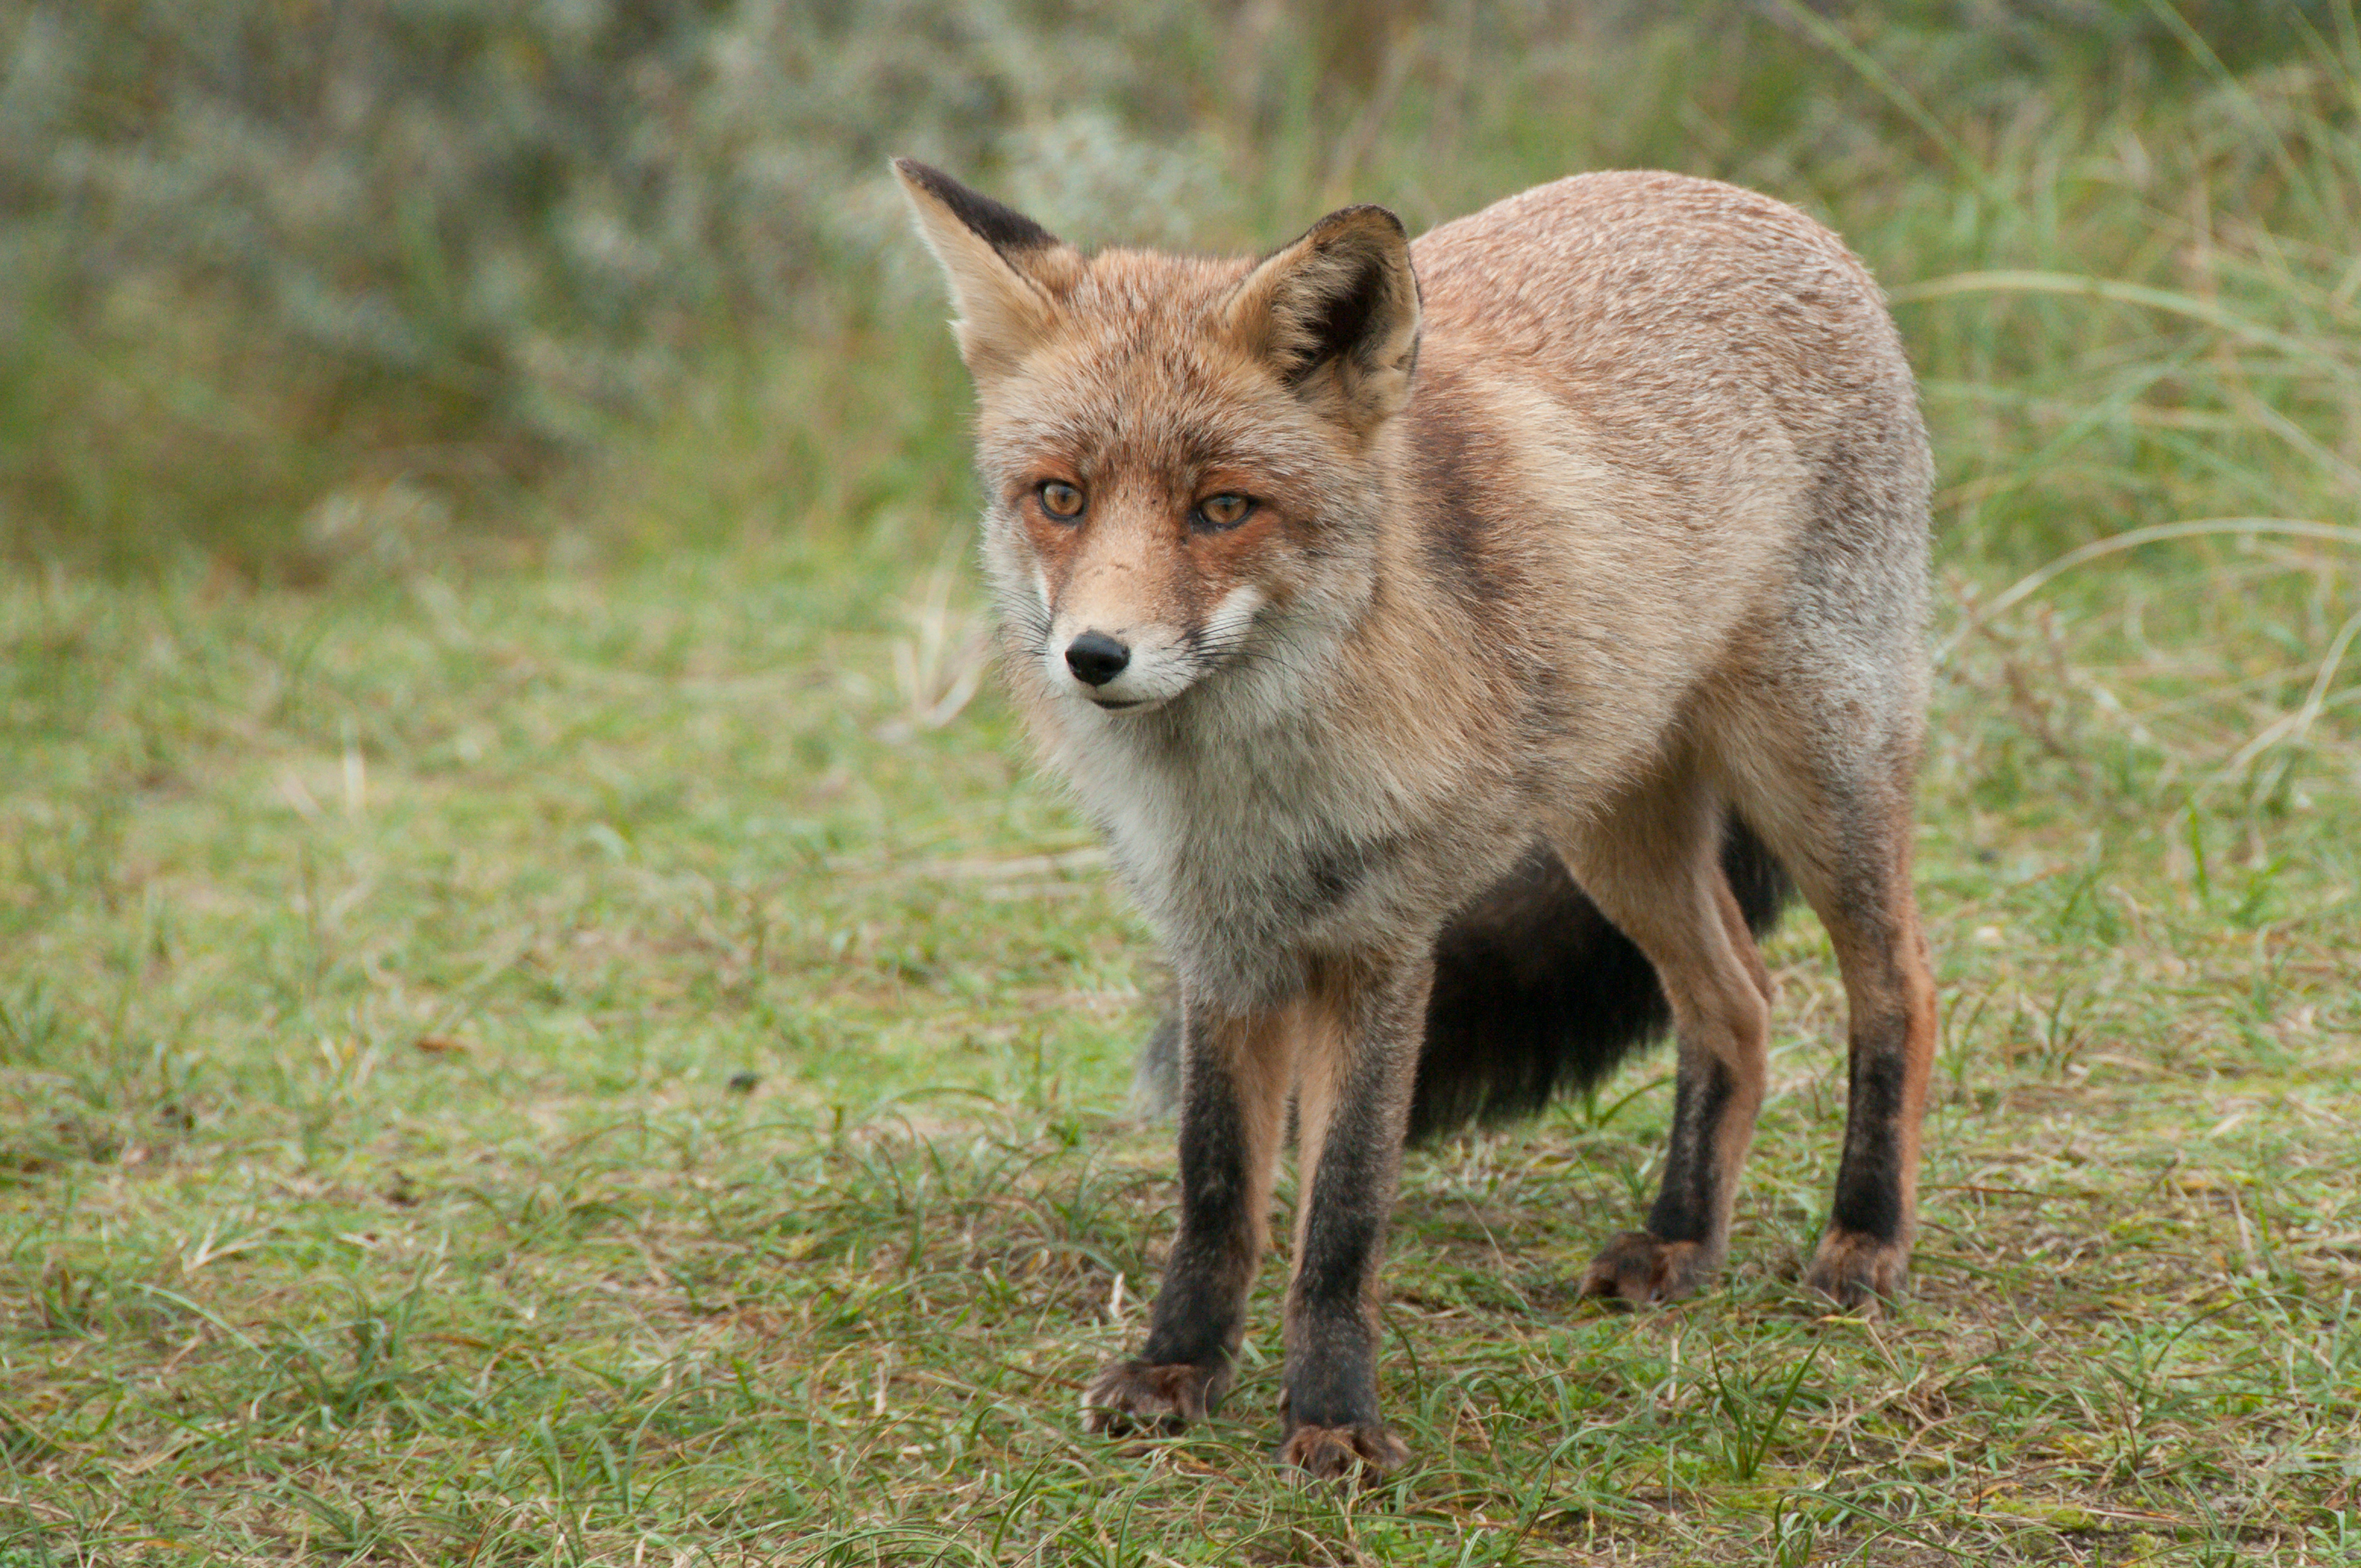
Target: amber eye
(1062,501)
(1224,511)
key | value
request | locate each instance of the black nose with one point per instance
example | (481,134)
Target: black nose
(1095,658)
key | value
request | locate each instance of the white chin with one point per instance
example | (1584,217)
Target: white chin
(1115,702)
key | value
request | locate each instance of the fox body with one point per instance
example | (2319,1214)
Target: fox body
(1462,645)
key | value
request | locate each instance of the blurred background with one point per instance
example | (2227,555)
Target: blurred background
(299,288)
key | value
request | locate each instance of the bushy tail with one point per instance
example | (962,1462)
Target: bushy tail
(1535,994)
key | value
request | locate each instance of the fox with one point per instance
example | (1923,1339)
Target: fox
(1465,647)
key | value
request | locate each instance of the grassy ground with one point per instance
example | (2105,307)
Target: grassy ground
(618,1064)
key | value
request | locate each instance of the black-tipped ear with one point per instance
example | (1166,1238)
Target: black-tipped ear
(1005,270)
(1002,229)
(1335,314)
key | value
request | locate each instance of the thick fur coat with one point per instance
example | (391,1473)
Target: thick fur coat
(1390,606)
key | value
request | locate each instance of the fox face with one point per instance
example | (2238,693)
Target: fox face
(1131,561)
(1181,455)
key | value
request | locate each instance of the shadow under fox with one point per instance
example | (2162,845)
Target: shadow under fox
(1462,646)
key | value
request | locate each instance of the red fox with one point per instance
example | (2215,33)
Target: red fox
(1462,646)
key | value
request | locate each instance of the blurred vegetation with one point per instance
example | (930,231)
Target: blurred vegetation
(297,285)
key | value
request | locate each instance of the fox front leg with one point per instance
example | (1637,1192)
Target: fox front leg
(1235,1077)
(1359,1059)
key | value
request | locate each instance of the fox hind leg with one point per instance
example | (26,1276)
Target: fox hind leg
(1872,916)
(1654,868)
(1839,819)
(1824,764)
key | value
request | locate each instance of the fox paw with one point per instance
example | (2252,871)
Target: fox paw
(1637,1269)
(1855,1269)
(1336,1454)
(1149,1397)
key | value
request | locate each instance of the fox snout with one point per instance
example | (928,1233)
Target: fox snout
(1116,666)
(1095,658)
(1110,672)
(1117,663)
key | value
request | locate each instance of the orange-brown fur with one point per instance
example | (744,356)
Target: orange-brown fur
(1593,518)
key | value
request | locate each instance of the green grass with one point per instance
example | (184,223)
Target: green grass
(566,1066)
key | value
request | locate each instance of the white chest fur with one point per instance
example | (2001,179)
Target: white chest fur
(1249,840)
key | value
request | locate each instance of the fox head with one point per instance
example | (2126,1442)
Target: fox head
(1182,457)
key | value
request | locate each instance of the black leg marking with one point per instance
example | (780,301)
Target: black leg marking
(1686,1209)
(1865,1250)
(1869,1179)
(1356,1106)
(1332,1344)
(1229,1117)
(1200,1306)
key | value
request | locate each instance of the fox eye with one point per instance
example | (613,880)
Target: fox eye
(1224,511)
(1062,501)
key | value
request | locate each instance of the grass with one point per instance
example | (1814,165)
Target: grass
(591,1065)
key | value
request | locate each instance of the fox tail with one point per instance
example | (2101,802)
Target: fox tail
(1536,995)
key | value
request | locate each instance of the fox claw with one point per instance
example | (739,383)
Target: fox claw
(1337,1453)
(1638,1269)
(1150,1398)
(1856,1270)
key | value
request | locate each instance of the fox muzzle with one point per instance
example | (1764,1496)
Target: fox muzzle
(1095,658)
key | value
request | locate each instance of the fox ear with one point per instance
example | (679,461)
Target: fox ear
(1335,314)
(1005,270)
